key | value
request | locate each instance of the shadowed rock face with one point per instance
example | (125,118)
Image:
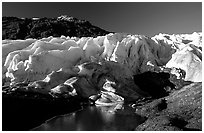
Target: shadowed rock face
(16,28)
(154,83)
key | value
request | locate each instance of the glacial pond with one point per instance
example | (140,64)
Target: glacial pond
(95,118)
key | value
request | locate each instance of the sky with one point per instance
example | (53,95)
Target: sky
(148,18)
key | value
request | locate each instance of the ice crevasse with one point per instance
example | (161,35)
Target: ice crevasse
(33,60)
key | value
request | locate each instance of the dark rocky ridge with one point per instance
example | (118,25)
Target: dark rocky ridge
(17,28)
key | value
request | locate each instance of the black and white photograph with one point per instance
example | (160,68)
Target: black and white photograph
(101,66)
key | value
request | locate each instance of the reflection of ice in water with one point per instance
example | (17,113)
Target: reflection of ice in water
(108,114)
(95,118)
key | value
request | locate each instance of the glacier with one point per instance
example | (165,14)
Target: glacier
(49,63)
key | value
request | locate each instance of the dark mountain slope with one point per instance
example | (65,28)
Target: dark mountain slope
(17,28)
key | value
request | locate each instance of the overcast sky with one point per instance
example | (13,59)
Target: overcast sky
(136,17)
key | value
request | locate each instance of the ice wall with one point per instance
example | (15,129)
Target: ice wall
(33,59)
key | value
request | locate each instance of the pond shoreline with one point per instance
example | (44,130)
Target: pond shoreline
(22,112)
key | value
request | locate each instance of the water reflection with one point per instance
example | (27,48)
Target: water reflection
(94,119)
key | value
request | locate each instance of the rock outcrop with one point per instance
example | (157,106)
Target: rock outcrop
(154,83)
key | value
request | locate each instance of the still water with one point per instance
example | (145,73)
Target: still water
(94,118)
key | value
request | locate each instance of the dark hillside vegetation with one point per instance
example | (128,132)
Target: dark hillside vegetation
(17,28)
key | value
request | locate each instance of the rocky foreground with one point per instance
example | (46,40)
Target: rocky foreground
(180,111)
